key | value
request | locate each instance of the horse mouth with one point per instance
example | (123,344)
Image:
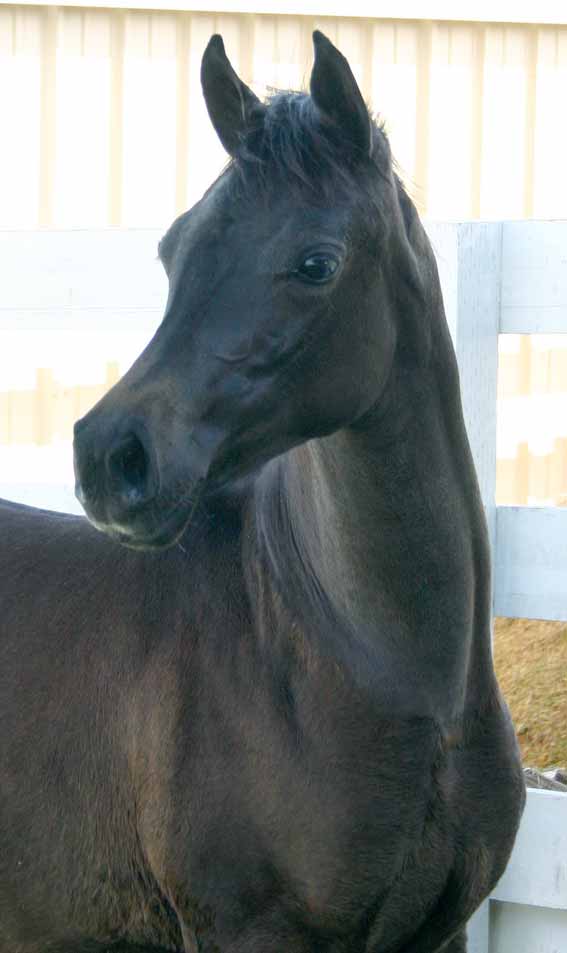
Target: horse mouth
(159,523)
(155,528)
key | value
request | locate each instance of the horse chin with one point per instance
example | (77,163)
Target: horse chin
(153,537)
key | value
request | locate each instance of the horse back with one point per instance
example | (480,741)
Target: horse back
(80,622)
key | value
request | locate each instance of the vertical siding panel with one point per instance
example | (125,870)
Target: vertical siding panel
(20,46)
(8,41)
(116,108)
(525,365)
(183,96)
(550,147)
(477,80)
(394,93)
(83,81)
(560,142)
(532,43)
(504,153)
(350,42)
(264,66)
(511,89)
(367,65)
(307,26)
(522,474)
(423,73)
(289,68)
(43,416)
(562,467)
(246,26)
(48,116)
(450,124)
(149,119)
(206,155)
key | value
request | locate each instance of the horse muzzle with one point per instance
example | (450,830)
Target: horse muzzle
(129,489)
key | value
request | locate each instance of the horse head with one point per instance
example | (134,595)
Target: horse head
(294,287)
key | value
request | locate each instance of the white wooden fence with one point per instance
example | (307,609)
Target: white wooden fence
(498,278)
(507,278)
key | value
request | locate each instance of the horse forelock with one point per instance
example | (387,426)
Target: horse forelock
(290,145)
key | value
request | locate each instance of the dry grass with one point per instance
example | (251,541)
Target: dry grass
(531,664)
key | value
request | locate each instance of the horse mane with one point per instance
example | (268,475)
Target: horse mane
(289,144)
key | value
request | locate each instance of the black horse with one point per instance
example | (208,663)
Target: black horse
(277,729)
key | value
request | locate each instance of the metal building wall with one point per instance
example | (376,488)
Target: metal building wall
(104,122)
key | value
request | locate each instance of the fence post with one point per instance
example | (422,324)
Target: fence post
(469,256)
(478,930)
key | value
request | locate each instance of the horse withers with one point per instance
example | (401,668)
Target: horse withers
(254,710)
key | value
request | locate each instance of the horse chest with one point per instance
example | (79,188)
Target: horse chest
(311,796)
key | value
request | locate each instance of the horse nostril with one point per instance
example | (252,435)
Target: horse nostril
(128,467)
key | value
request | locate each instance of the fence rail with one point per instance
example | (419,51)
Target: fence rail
(527,912)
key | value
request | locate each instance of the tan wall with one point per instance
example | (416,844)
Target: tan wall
(532,397)
(106,125)
(46,413)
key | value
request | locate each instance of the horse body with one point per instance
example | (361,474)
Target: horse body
(284,732)
(176,783)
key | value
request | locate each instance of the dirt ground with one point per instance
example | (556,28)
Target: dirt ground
(531,664)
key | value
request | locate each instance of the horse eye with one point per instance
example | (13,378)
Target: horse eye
(318,269)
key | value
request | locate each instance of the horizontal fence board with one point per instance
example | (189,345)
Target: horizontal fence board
(531,562)
(537,871)
(66,269)
(519,928)
(81,320)
(534,278)
(55,497)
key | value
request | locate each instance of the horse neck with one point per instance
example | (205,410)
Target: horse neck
(378,540)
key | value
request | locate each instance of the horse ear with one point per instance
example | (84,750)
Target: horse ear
(335,92)
(229,101)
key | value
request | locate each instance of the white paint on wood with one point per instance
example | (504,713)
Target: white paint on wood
(444,238)
(537,871)
(59,498)
(531,562)
(62,270)
(519,928)
(534,278)
(104,321)
(527,911)
(478,930)
(469,260)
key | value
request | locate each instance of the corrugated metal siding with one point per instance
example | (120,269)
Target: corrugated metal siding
(106,123)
